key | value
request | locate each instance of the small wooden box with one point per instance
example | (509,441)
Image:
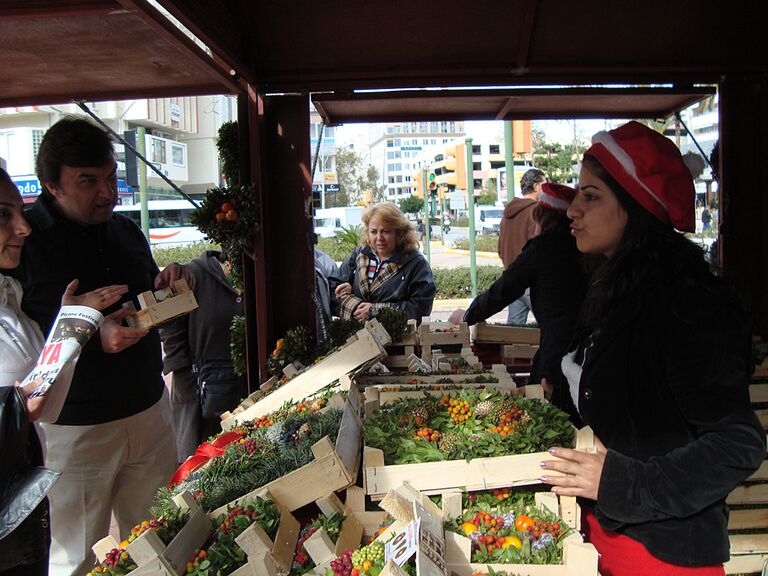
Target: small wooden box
(504,334)
(161,306)
(152,556)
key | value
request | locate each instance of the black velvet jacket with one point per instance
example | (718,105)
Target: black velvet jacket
(105,387)
(665,387)
(550,265)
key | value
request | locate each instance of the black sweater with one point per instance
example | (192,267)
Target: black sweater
(105,387)
(550,266)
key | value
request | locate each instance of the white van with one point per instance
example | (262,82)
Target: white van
(488,218)
(328,221)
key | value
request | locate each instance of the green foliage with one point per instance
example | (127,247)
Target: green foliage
(488,198)
(334,247)
(229,153)
(535,427)
(483,243)
(338,332)
(411,205)
(455,282)
(237,345)
(266,454)
(341,244)
(557,160)
(296,346)
(231,232)
(393,320)
(354,179)
(180,254)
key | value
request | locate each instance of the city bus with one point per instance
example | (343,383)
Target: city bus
(169,222)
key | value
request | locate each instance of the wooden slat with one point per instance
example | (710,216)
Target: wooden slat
(751,564)
(748,519)
(757,494)
(761,474)
(758,393)
(763,417)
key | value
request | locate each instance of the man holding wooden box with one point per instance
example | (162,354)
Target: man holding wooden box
(113,441)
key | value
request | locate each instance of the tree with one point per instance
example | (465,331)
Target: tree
(556,160)
(412,205)
(348,166)
(356,178)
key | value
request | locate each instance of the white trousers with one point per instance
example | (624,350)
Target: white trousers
(112,467)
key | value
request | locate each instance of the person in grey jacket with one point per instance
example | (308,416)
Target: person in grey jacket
(200,341)
(386,270)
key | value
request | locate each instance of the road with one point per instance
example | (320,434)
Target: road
(444,256)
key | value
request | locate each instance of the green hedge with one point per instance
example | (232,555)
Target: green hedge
(455,282)
(180,254)
(489,243)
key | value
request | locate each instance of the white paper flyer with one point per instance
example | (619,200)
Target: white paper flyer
(72,328)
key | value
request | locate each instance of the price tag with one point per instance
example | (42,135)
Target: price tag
(433,548)
(404,545)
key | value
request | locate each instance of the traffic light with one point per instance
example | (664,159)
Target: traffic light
(431,184)
(419,189)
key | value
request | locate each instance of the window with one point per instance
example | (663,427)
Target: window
(494,149)
(158,151)
(177,155)
(37,137)
(476,149)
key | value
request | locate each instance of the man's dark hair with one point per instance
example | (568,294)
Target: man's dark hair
(531,177)
(5,178)
(72,141)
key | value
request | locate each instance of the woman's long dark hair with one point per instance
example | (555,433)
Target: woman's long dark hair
(649,250)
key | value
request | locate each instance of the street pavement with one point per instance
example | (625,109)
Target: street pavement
(443,255)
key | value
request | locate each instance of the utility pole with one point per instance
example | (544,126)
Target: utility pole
(471,206)
(427,232)
(141,146)
(509,162)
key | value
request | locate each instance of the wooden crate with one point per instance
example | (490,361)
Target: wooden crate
(497,371)
(749,503)
(334,467)
(267,557)
(579,558)
(434,335)
(399,352)
(152,556)
(364,349)
(504,334)
(320,547)
(161,306)
(477,474)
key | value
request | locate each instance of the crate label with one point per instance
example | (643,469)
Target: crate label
(404,545)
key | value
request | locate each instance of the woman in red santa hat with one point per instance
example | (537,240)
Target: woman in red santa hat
(550,265)
(660,371)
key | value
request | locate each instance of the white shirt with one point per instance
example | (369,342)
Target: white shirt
(20,337)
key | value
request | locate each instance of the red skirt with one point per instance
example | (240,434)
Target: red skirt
(623,556)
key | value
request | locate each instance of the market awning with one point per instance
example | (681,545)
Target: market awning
(506,104)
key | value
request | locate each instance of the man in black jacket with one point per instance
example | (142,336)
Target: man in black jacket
(113,441)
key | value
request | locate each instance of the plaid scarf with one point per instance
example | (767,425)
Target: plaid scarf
(365,261)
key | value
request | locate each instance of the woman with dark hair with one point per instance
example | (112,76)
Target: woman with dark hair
(660,370)
(386,270)
(25,535)
(550,265)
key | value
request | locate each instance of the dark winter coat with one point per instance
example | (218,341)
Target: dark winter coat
(515,229)
(665,388)
(25,534)
(412,289)
(204,334)
(550,265)
(105,387)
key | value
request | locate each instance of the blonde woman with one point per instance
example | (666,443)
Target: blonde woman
(386,270)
